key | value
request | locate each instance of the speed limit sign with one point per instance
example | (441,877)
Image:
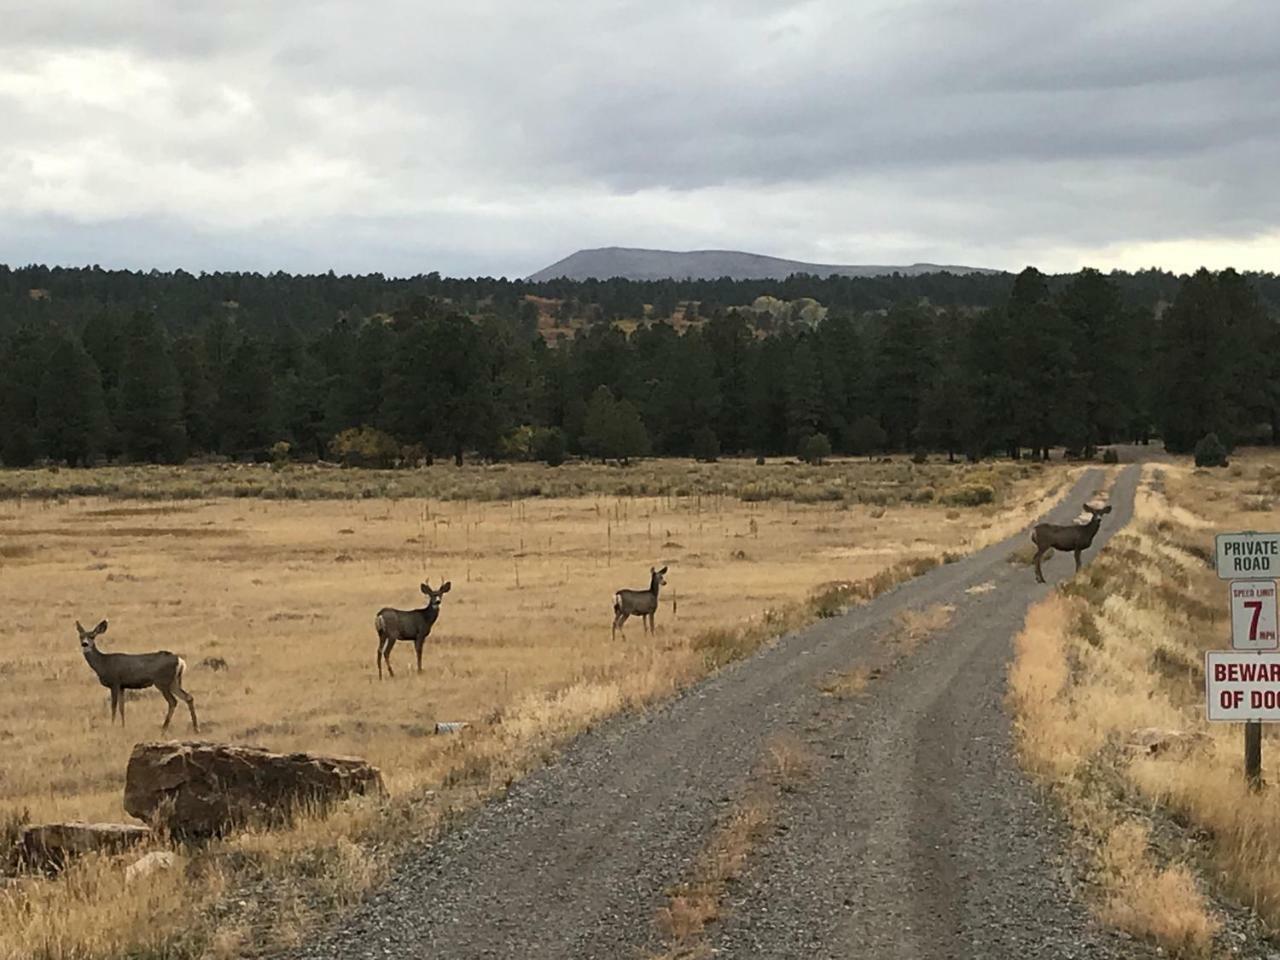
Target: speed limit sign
(1253,615)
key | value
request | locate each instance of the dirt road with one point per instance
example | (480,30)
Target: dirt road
(916,836)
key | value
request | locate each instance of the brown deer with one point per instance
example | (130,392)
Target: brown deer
(415,625)
(119,672)
(1075,537)
(641,603)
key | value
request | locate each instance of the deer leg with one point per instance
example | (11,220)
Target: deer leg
(173,703)
(417,648)
(386,657)
(379,658)
(115,699)
(1039,573)
(619,621)
(1077,561)
(123,696)
(191,705)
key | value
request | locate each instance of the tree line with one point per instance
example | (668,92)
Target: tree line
(1075,361)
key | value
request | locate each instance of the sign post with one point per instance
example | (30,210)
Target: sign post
(1244,683)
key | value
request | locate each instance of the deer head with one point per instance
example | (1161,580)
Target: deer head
(1098,512)
(88,636)
(657,578)
(434,596)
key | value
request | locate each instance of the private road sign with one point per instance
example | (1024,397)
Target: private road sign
(1248,555)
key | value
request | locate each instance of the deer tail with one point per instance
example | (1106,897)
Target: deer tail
(617,604)
(179,672)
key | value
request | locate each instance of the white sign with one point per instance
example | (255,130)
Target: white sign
(1242,555)
(1253,615)
(1242,686)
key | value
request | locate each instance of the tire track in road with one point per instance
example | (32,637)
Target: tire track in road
(918,838)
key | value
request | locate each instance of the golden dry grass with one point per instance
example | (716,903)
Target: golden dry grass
(285,593)
(1120,649)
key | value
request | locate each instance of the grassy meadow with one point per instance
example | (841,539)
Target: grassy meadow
(284,590)
(1113,661)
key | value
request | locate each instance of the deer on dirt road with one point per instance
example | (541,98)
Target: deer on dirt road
(119,672)
(1075,537)
(415,625)
(641,603)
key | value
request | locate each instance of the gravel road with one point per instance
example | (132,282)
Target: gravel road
(916,837)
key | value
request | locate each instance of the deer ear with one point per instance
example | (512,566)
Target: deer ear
(426,588)
(446,586)
(653,570)
(81,630)
(1107,508)
(663,570)
(100,628)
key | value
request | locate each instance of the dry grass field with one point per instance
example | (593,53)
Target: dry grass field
(1114,662)
(285,591)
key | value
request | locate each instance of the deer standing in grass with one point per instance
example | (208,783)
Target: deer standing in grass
(119,672)
(1075,537)
(415,625)
(641,603)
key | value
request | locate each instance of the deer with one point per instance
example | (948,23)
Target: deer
(1075,537)
(641,603)
(415,625)
(119,672)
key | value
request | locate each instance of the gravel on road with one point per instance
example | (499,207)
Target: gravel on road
(916,836)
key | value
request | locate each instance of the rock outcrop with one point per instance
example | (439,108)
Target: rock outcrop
(199,789)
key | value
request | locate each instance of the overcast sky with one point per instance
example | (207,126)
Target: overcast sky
(496,136)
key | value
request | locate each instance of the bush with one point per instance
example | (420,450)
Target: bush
(706,445)
(549,446)
(1110,456)
(866,436)
(759,461)
(920,456)
(364,447)
(969,495)
(1210,452)
(815,449)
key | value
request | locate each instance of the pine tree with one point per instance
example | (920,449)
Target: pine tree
(1193,368)
(22,366)
(804,393)
(149,417)
(246,403)
(904,372)
(72,414)
(612,429)
(199,402)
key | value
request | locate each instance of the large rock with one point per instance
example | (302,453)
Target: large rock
(195,788)
(53,844)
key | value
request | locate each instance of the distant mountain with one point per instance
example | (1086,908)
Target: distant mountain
(637,264)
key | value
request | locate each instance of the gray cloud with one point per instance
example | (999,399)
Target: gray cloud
(494,137)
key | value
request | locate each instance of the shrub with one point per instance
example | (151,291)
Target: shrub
(814,449)
(1110,456)
(759,461)
(920,456)
(968,495)
(549,446)
(364,447)
(866,436)
(1210,452)
(706,445)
